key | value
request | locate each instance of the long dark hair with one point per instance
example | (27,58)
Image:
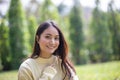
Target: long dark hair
(62,50)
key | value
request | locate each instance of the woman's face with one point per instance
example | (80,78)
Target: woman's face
(48,42)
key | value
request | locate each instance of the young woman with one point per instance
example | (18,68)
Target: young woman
(49,59)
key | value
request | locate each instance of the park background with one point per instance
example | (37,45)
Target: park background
(92,33)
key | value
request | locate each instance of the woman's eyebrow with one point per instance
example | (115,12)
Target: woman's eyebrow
(51,34)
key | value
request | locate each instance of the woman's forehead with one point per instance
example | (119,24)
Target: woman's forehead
(51,31)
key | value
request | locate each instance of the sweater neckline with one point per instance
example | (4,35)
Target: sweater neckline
(45,60)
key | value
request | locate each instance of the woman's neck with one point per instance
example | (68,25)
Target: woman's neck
(45,56)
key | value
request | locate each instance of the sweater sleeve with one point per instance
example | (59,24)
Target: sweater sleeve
(75,77)
(48,73)
(24,74)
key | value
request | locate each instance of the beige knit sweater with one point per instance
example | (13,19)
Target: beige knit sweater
(41,69)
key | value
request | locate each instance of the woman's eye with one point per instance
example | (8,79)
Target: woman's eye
(57,38)
(48,37)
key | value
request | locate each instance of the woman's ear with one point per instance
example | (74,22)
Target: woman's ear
(37,38)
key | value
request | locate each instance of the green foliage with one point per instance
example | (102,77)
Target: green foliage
(32,27)
(48,11)
(64,26)
(100,38)
(61,8)
(1,67)
(4,46)
(76,33)
(17,27)
(114,27)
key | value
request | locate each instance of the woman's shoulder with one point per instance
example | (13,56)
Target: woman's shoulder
(28,62)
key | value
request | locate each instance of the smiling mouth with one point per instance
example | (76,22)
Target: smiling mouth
(51,47)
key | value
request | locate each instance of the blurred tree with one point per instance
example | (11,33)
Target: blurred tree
(1,67)
(76,32)
(33,8)
(48,11)
(114,27)
(100,43)
(32,25)
(64,21)
(4,45)
(17,30)
(62,8)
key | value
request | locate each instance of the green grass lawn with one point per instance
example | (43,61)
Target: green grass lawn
(8,75)
(101,71)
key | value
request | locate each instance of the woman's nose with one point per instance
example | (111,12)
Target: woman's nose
(52,41)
